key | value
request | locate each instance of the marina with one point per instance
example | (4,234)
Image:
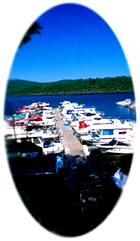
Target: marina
(70,161)
(71,128)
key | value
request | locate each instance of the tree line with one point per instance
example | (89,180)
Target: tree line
(77,86)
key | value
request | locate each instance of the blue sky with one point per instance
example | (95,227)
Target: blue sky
(75,43)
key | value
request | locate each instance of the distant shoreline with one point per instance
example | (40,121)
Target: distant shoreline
(91,93)
(42,94)
(120,84)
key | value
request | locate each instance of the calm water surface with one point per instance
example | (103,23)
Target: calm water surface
(105,103)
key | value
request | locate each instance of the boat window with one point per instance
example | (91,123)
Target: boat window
(93,134)
(69,112)
(122,132)
(89,114)
(48,143)
(49,117)
(107,132)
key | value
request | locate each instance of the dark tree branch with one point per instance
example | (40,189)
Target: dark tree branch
(34,29)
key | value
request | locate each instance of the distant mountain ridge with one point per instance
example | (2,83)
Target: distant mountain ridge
(21,82)
(90,85)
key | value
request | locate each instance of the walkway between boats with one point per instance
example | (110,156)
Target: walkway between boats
(70,141)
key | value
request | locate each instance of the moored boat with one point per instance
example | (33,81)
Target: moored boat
(103,133)
(116,147)
(125,103)
(88,125)
(48,146)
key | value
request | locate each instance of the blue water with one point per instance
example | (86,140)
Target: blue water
(105,103)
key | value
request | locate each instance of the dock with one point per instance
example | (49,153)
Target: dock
(70,141)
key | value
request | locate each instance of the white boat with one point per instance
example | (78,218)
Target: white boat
(69,109)
(116,147)
(122,150)
(82,126)
(103,133)
(14,132)
(125,102)
(34,126)
(48,146)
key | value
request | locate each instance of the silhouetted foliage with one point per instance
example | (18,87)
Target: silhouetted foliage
(34,29)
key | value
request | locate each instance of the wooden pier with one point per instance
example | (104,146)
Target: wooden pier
(70,141)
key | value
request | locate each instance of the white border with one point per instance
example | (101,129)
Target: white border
(15,18)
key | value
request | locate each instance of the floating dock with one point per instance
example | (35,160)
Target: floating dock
(70,141)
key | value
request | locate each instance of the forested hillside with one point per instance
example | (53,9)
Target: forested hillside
(97,85)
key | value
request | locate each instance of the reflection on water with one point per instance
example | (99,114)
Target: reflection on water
(126,111)
(75,199)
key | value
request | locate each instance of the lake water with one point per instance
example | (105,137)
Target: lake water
(105,103)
